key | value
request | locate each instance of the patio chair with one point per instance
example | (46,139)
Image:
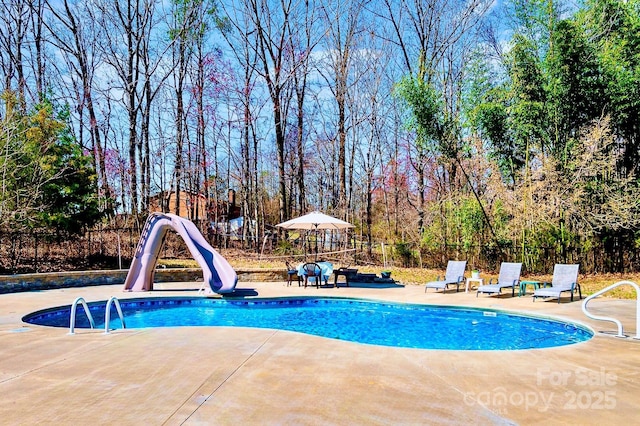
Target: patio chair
(509,276)
(291,273)
(453,275)
(314,271)
(565,278)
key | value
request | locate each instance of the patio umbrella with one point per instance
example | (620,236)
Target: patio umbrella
(314,221)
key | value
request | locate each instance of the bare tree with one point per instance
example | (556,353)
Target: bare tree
(38,50)
(128,21)
(14,21)
(270,21)
(428,35)
(240,36)
(343,23)
(73,32)
(371,112)
(141,72)
(303,37)
(184,30)
(593,196)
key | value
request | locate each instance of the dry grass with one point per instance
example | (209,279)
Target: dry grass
(418,276)
(592,283)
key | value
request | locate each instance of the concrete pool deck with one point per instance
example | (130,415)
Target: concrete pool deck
(225,375)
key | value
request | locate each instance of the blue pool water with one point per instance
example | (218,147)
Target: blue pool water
(357,320)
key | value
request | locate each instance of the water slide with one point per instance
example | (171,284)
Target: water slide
(216,271)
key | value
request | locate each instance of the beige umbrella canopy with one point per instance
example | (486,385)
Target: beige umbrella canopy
(314,221)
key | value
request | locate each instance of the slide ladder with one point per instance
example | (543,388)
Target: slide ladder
(611,319)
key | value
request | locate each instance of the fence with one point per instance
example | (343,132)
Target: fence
(615,255)
(113,248)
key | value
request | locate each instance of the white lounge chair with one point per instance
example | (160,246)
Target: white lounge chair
(565,278)
(509,276)
(453,275)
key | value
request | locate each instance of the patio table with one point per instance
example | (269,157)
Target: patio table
(523,286)
(347,273)
(478,280)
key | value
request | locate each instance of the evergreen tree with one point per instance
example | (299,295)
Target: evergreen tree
(47,181)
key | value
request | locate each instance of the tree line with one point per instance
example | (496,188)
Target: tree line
(446,127)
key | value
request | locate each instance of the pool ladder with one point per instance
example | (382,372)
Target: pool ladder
(107,314)
(611,319)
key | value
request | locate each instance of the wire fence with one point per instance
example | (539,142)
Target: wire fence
(113,248)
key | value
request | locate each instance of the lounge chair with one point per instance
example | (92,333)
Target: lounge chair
(453,275)
(565,278)
(509,276)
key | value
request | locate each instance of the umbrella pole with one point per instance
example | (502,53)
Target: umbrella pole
(305,244)
(316,243)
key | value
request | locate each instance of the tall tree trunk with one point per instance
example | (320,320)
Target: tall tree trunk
(145,163)
(300,92)
(132,110)
(279,128)
(342,143)
(179,123)
(37,10)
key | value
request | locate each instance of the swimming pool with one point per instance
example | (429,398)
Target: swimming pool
(357,320)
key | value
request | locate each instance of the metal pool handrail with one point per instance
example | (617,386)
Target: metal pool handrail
(107,313)
(611,319)
(72,319)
